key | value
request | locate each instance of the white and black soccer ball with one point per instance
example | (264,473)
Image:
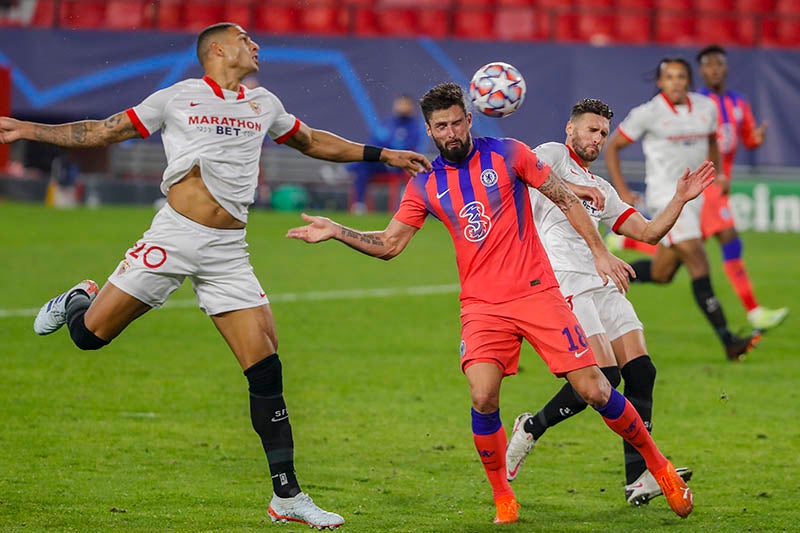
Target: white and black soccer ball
(497,89)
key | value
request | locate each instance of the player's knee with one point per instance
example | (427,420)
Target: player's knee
(485,401)
(595,389)
(265,378)
(83,337)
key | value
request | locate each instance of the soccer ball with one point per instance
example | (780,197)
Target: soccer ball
(497,89)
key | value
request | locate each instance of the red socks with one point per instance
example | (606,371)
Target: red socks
(737,274)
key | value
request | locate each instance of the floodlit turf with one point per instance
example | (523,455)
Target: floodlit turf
(152,433)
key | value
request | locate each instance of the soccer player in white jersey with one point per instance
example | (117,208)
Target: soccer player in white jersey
(609,322)
(212,130)
(678,130)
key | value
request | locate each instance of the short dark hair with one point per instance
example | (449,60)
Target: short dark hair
(591,105)
(678,60)
(442,96)
(205,38)
(708,50)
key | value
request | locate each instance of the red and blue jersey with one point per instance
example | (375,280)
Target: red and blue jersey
(483,201)
(734,121)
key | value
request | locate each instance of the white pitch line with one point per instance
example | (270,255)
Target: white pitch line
(312,296)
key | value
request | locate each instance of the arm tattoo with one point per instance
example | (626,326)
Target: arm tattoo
(78,132)
(367,238)
(557,191)
(86,133)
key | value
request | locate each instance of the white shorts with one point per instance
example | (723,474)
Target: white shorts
(687,227)
(599,309)
(215,260)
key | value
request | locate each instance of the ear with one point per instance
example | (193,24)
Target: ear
(568,129)
(428,129)
(469,119)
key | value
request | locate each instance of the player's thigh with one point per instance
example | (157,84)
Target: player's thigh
(488,337)
(111,312)
(546,321)
(629,346)
(250,333)
(692,254)
(666,262)
(616,312)
(583,305)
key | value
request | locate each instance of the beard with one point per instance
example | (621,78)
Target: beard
(456,153)
(584,154)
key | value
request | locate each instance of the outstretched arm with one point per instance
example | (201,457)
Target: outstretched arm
(615,144)
(384,244)
(322,144)
(690,185)
(607,265)
(83,134)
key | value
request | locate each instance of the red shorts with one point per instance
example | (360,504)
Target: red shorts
(493,333)
(716,214)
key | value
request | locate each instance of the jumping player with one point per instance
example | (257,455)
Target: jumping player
(212,130)
(479,190)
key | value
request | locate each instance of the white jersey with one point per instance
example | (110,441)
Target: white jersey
(674,138)
(567,250)
(220,131)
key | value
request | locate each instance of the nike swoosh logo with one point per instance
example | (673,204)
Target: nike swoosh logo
(278,419)
(513,473)
(578,355)
(192,104)
(440,195)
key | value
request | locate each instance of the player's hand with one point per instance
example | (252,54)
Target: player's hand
(318,229)
(412,162)
(691,184)
(10,130)
(593,195)
(612,268)
(759,133)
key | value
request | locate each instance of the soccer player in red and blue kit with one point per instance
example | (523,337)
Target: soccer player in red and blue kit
(478,189)
(735,124)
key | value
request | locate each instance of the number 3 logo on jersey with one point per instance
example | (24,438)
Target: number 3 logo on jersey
(478,224)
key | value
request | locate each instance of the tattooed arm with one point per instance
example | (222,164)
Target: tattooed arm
(83,134)
(384,244)
(608,266)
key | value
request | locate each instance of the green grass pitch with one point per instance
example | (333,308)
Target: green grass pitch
(152,433)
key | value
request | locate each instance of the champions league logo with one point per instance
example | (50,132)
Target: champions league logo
(488,177)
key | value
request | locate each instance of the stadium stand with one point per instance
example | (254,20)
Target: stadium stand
(774,23)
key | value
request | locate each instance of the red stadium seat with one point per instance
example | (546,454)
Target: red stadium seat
(519,24)
(44,14)
(397,21)
(277,19)
(788,7)
(321,19)
(433,22)
(633,29)
(127,14)
(719,29)
(625,4)
(673,5)
(239,12)
(591,6)
(595,29)
(198,14)
(515,3)
(714,6)
(787,32)
(169,15)
(474,24)
(82,14)
(754,6)
(674,29)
